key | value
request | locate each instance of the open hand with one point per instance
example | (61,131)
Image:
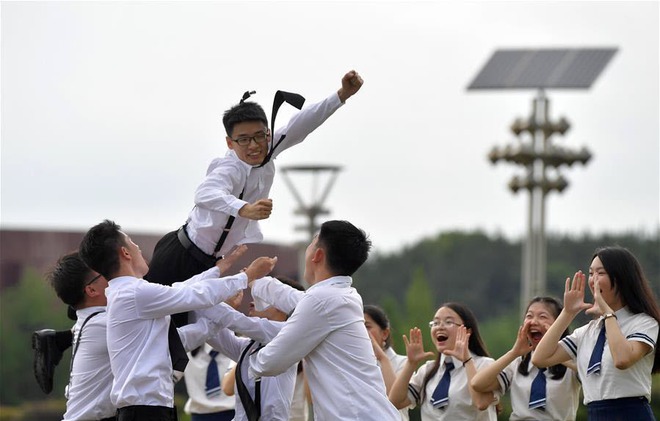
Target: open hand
(461,350)
(415,347)
(523,345)
(574,294)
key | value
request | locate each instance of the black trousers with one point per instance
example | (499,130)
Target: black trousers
(146,413)
(172,263)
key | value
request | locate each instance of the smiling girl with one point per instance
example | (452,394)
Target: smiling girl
(442,387)
(513,371)
(615,353)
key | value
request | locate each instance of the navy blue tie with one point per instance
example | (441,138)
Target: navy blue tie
(537,394)
(597,354)
(212,376)
(440,397)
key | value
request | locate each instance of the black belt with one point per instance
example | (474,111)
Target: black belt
(194,251)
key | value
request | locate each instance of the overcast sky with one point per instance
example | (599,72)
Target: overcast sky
(113,110)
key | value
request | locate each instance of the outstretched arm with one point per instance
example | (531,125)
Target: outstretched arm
(548,352)
(311,117)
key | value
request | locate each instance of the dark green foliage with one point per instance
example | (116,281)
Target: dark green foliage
(484,272)
(28,306)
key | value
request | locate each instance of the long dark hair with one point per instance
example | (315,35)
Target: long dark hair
(631,285)
(556,371)
(475,344)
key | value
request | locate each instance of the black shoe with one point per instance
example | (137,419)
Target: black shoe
(48,346)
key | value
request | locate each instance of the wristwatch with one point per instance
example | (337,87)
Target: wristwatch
(608,315)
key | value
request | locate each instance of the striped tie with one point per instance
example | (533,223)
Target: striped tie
(212,376)
(440,397)
(537,394)
(597,354)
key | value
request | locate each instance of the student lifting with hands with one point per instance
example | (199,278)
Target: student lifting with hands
(615,353)
(537,394)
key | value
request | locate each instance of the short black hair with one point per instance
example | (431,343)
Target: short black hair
(69,277)
(346,246)
(98,248)
(242,112)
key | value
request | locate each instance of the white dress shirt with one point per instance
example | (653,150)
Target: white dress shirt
(562,395)
(138,323)
(195,378)
(88,392)
(613,383)
(216,197)
(327,329)
(277,391)
(460,407)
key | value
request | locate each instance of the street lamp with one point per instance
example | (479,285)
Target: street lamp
(534,151)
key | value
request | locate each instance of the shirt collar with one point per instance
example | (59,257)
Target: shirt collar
(84,312)
(335,281)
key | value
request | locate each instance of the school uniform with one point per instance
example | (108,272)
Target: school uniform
(459,407)
(327,330)
(632,384)
(562,395)
(88,392)
(276,393)
(138,324)
(202,403)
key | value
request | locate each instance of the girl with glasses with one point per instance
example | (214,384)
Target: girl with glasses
(441,388)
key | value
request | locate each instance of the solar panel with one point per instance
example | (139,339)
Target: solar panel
(568,68)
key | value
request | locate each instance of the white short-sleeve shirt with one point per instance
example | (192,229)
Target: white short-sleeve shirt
(562,395)
(613,383)
(460,407)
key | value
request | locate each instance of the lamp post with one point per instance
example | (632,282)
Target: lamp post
(313,205)
(539,69)
(541,161)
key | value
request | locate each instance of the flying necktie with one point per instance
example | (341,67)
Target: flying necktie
(440,397)
(537,394)
(212,376)
(597,354)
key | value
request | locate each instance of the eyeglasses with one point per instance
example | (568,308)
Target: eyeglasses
(258,138)
(445,323)
(93,279)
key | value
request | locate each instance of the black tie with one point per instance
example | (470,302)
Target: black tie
(177,352)
(440,397)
